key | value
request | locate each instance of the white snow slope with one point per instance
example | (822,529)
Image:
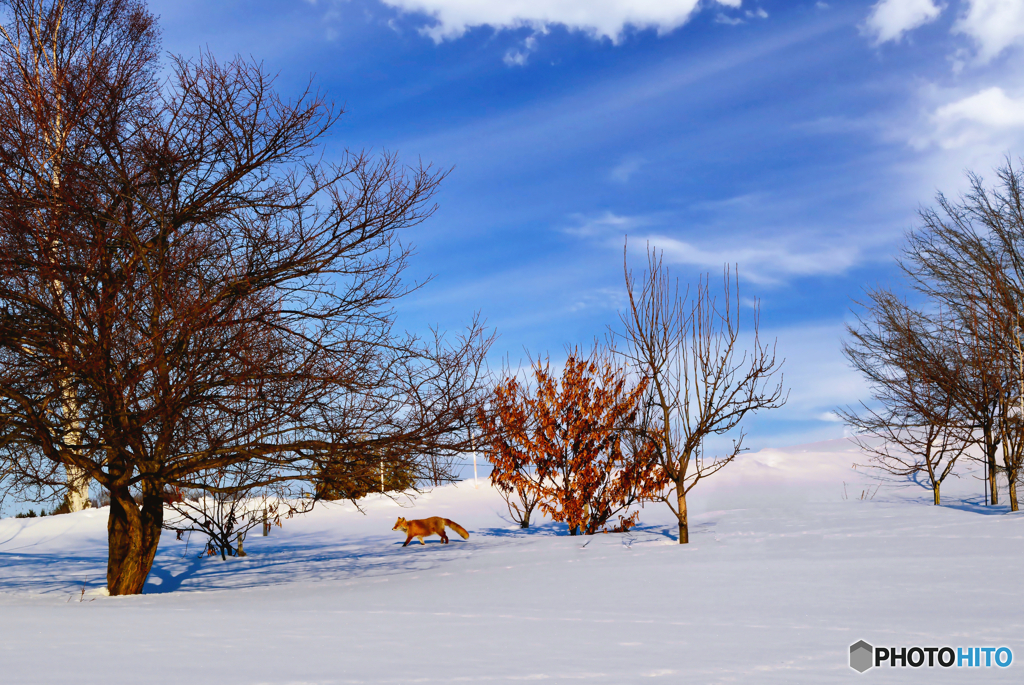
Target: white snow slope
(783,574)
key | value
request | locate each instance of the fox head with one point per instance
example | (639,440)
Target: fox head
(400,524)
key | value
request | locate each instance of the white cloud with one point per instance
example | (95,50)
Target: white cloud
(986,116)
(991,107)
(761,261)
(599,18)
(993,24)
(516,58)
(890,19)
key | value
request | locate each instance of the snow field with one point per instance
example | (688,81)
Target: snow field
(783,574)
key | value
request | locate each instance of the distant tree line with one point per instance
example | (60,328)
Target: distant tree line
(947,372)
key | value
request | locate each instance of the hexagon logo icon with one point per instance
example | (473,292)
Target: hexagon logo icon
(861,656)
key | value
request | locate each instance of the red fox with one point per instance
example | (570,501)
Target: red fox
(431,526)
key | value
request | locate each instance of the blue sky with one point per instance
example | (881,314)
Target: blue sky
(797,139)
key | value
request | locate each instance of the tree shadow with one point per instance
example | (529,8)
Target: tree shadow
(298,561)
(50,573)
(168,581)
(977,505)
(550,528)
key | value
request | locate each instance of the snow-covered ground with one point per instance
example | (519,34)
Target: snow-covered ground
(786,569)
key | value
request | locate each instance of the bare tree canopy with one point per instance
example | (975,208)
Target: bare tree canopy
(702,383)
(213,293)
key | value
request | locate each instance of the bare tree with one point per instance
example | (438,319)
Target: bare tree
(911,367)
(224,506)
(521,496)
(225,296)
(702,382)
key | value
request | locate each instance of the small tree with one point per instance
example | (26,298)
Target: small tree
(562,444)
(224,506)
(906,359)
(702,383)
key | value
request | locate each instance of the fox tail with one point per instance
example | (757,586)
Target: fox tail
(457,528)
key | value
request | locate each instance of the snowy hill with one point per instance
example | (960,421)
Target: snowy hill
(786,570)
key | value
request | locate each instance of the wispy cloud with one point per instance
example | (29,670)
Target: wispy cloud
(606,19)
(762,261)
(607,299)
(606,225)
(624,170)
(596,111)
(710,234)
(734,19)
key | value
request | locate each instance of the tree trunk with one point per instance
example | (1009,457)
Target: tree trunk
(993,486)
(78,488)
(1013,495)
(935,491)
(133,535)
(990,448)
(684,529)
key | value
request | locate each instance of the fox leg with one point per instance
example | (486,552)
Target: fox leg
(444,538)
(421,540)
(408,539)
